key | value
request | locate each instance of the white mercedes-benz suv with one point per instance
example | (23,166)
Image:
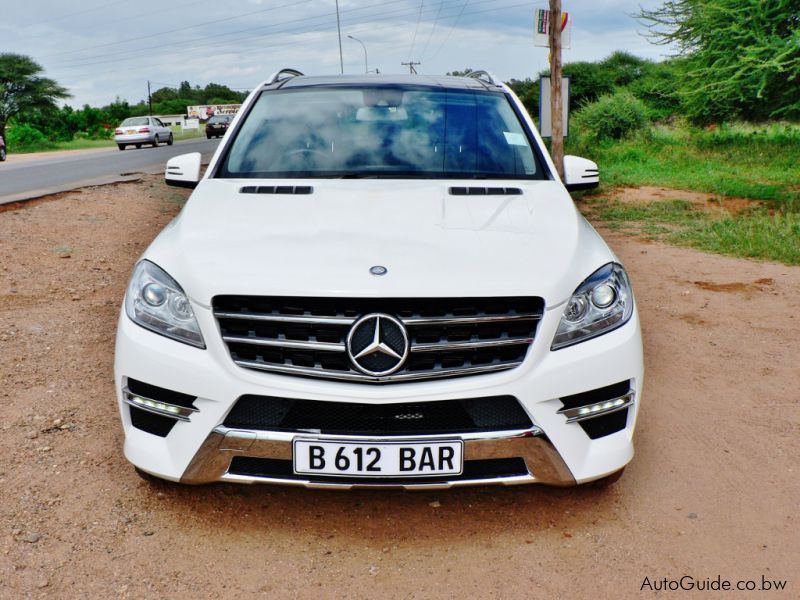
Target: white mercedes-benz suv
(379,281)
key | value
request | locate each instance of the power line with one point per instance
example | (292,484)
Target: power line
(229,33)
(321,28)
(134,54)
(128,19)
(416,29)
(80,12)
(452,27)
(430,34)
(152,35)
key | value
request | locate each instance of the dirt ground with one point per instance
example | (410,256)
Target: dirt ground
(713,489)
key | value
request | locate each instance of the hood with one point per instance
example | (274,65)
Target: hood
(432,243)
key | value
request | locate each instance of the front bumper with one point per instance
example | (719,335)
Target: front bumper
(213,460)
(555,450)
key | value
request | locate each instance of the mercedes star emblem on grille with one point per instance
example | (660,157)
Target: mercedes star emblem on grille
(377,344)
(378,270)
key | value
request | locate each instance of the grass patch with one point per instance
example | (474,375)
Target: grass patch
(760,164)
(756,234)
(80,143)
(771,237)
(746,161)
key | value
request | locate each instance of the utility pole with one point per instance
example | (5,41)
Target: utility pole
(557,139)
(339,29)
(149,99)
(411,66)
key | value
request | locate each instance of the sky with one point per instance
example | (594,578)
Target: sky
(104,49)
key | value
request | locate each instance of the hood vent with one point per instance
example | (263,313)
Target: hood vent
(277,189)
(485,191)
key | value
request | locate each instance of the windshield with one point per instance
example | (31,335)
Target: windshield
(381,132)
(135,121)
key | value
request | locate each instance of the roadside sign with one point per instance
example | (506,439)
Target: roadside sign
(190,124)
(541,29)
(545,113)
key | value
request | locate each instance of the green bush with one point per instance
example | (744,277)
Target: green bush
(25,137)
(612,116)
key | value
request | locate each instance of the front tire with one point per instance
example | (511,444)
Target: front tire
(2,154)
(145,476)
(608,480)
(155,141)
(170,140)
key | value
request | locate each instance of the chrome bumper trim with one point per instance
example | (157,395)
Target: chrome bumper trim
(214,457)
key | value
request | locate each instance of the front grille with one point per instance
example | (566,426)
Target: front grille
(490,468)
(265,413)
(448,337)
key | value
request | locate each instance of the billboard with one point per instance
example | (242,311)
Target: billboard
(541,35)
(205,111)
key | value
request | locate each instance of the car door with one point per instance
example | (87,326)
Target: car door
(163,130)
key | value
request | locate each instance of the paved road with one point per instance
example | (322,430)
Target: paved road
(35,177)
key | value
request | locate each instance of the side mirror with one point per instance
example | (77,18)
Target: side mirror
(183,170)
(580,174)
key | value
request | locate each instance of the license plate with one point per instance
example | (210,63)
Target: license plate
(131,131)
(378,459)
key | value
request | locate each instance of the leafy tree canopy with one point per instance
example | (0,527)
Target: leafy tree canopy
(22,88)
(742,57)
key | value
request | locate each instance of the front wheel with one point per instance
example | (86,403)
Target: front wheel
(155,142)
(170,140)
(2,154)
(608,480)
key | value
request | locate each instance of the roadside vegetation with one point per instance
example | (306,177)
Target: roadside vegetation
(31,119)
(722,117)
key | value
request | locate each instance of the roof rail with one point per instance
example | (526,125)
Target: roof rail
(484,76)
(287,72)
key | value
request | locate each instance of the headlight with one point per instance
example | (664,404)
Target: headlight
(600,304)
(156,302)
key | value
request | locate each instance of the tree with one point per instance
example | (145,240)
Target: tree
(22,88)
(742,57)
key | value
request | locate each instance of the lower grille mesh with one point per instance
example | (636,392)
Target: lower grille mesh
(266,413)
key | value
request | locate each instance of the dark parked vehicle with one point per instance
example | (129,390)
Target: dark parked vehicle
(2,149)
(218,125)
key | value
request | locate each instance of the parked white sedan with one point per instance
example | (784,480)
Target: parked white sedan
(135,131)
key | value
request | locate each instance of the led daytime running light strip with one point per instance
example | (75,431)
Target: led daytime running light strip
(181,413)
(598,408)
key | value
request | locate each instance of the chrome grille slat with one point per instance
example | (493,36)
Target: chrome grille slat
(445,346)
(284,343)
(295,319)
(355,376)
(476,320)
(448,337)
